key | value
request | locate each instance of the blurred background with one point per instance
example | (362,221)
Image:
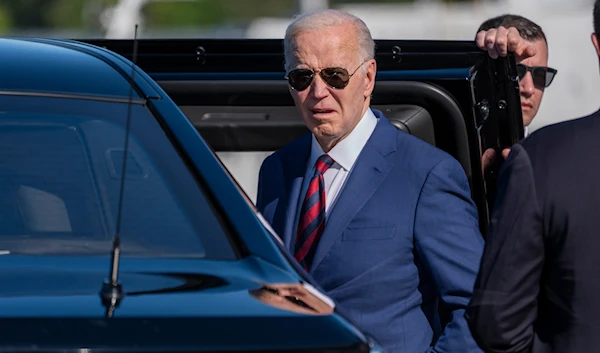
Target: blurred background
(567,24)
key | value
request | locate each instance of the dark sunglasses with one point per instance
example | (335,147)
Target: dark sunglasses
(335,77)
(542,76)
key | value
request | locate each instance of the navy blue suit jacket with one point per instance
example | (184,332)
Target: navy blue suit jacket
(538,288)
(402,235)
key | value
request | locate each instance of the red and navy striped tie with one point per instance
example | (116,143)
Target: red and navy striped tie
(312,216)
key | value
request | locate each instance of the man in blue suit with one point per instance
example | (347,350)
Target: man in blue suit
(383,221)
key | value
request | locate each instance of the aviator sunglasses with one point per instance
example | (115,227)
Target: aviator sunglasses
(542,76)
(335,77)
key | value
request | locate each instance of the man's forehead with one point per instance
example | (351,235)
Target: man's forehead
(339,35)
(324,50)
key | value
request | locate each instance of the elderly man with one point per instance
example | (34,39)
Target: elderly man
(498,35)
(383,221)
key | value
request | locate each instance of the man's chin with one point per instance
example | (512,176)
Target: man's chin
(528,113)
(527,119)
(326,137)
(324,131)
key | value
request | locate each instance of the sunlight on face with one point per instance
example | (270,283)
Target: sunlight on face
(329,113)
(531,96)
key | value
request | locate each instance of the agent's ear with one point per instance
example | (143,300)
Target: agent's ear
(596,44)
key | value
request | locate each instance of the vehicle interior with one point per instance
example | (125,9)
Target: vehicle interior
(448,93)
(61,176)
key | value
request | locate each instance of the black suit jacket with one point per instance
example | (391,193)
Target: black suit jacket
(538,289)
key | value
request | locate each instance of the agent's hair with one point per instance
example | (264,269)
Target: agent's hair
(328,18)
(528,29)
(597,17)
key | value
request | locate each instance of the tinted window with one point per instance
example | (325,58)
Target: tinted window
(61,167)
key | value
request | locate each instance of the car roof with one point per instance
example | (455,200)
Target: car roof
(64,67)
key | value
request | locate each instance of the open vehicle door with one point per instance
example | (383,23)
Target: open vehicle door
(448,93)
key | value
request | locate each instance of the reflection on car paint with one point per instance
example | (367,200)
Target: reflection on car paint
(294,297)
(268,227)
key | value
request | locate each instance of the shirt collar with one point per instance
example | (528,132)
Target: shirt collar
(346,152)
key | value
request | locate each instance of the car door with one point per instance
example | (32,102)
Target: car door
(448,93)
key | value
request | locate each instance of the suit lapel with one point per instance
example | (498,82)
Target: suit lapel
(364,179)
(294,166)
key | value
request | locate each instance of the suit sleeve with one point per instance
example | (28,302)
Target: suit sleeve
(504,304)
(266,185)
(449,246)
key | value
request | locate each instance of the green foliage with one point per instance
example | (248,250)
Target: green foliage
(27,13)
(5,20)
(50,13)
(158,13)
(212,12)
(66,14)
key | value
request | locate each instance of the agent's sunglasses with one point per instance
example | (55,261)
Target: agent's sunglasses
(335,77)
(542,76)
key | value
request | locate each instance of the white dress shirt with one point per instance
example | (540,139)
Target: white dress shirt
(344,154)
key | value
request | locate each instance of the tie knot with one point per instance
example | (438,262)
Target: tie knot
(323,163)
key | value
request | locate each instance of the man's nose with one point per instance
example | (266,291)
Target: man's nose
(526,85)
(318,88)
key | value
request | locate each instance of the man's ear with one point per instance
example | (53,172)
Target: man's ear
(370,77)
(596,44)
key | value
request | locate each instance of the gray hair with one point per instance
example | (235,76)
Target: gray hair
(326,19)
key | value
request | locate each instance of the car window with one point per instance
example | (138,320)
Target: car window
(61,164)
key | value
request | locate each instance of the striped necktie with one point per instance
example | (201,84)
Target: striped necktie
(312,216)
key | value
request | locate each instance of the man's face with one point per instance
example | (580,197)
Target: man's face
(531,95)
(329,113)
